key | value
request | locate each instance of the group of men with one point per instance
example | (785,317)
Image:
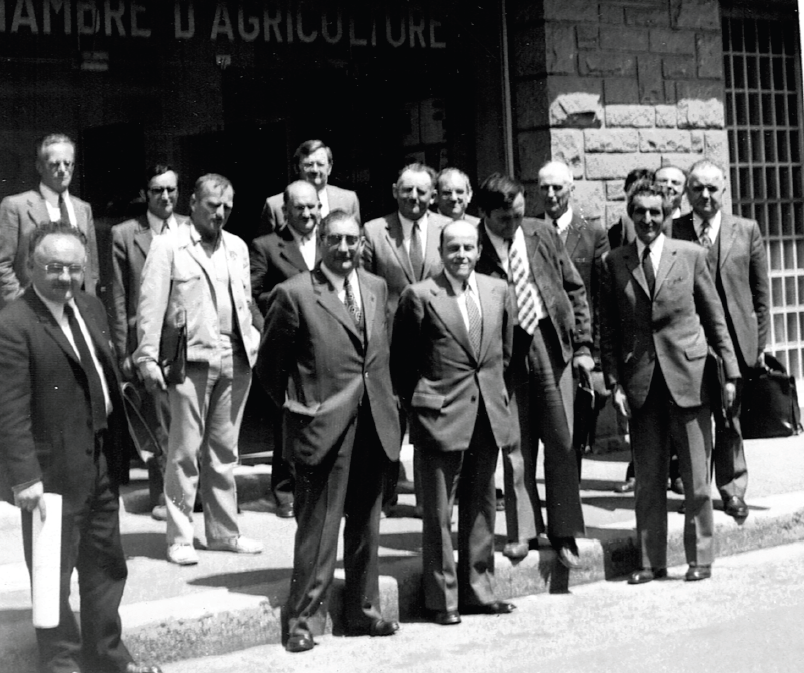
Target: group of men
(472,333)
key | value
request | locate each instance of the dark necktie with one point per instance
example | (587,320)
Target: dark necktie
(647,267)
(705,238)
(415,254)
(351,302)
(93,379)
(63,214)
(475,321)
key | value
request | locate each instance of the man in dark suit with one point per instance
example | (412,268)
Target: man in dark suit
(737,262)
(454,194)
(62,430)
(314,162)
(324,362)
(586,243)
(453,336)
(275,258)
(552,336)
(131,241)
(21,213)
(659,309)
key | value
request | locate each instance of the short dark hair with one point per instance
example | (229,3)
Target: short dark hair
(51,139)
(498,191)
(648,188)
(419,167)
(156,170)
(308,147)
(337,215)
(215,179)
(636,174)
(59,227)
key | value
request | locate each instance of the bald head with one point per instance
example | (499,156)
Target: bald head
(459,249)
(301,207)
(555,188)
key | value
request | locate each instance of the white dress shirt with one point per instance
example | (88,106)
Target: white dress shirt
(52,203)
(655,252)
(714,225)
(563,223)
(323,203)
(407,232)
(159,225)
(307,245)
(338,282)
(464,294)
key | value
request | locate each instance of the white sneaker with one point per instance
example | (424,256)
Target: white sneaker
(182,554)
(236,545)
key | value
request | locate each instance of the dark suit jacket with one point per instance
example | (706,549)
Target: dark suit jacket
(436,373)
(45,414)
(273,217)
(317,366)
(557,279)
(19,214)
(384,254)
(741,280)
(675,329)
(131,241)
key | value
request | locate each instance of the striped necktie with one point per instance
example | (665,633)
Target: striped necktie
(475,321)
(527,313)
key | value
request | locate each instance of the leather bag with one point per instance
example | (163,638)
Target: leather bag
(770,402)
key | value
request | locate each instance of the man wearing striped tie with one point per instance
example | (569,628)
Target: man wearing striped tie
(552,335)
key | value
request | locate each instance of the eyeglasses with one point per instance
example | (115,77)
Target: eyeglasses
(57,269)
(313,164)
(334,240)
(56,165)
(157,191)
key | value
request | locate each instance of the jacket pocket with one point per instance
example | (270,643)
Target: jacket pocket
(697,351)
(427,401)
(296,407)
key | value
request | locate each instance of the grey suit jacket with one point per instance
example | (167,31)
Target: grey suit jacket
(19,215)
(273,217)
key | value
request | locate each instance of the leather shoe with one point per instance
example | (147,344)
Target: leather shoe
(627,486)
(567,551)
(682,508)
(696,573)
(131,667)
(515,551)
(647,575)
(677,486)
(299,642)
(495,608)
(285,510)
(735,506)
(376,629)
(447,617)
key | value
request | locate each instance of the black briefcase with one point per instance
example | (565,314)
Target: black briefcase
(769,402)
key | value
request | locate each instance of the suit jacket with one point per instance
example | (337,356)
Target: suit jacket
(559,283)
(434,368)
(19,215)
(586,245)
(178,288)
(384,254)
(46,428)
(131,241)
(674,329)
(273,217)
(317,366)
(741,279)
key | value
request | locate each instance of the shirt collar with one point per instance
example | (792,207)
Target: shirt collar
(714,222)
(337,281)
(51,196)
(155,223)
(457,285)
(407,225)
(563,222)
(55,308)
(655,247)
(195,236)
(303,239)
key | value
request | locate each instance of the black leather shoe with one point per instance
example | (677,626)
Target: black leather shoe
(567,551)
(515,551)
(299,642)
(285,511)
(131,667)
(677,486)
(495,608)
(627,486)
(735,506)
(647,575)
(696,573)
(447,617)
(378,628)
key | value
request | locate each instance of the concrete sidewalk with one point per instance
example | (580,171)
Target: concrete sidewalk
(229,602)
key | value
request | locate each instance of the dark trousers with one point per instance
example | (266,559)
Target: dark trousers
(91,544)
(347,482)
(728,454)
(283,482)
(653,426)
(470,475)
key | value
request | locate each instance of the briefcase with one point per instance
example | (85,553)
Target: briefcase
(769,402)
(173,352)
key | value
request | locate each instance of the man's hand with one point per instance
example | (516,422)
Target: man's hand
(621,401)
(730,394)
(585,364)
(152,377)
(761,361)
(30,498)
(127,368)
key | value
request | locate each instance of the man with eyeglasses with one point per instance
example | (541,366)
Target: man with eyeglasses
(63,431)
(313,160)
(131,241)
(21,213)
(324,360)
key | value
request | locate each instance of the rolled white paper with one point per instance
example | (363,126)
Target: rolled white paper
(47,563)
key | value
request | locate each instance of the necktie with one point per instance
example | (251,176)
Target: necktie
(351,302)
(475,322)
(527,312)
(415,254)
(164,226)
(64,216)
(96,397)
(705,238)
(647,267)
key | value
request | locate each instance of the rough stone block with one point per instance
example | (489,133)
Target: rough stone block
(683,161)
(670,95)
(620,90)
(638,116)
(579,10)
(560,49)
(567,145)
(587,36)
(530,103)
(615,190)
(716,146)
(653,140)
(666,116)
(651,85)
(672,41)
(623,38)
(697,138)
(647,16)
(588,199)
(612,14)
(710,55)
(611,140)
(678,67)
(529,56)
(695,14)
(534,150)
(700,104)
(602,64)
(617,166)
(575,101)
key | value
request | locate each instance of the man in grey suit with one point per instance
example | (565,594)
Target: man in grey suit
(737,262)
(454,194)
(21,213)
(131,241)
(314,163)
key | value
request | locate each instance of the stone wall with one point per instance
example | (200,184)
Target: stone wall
(612,85)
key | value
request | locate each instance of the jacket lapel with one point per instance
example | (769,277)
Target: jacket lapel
(665,264)
(48,322)
(37,209)
(489,254)
(291,252)
(327,297)
(431,254)
(103,348)
(396,240)
(631,259)
(490,299)
(728,234)
(144,236)
(573,234)
(369,303)
(445,306)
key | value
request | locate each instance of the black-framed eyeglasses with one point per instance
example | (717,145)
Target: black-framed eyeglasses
(157,191)
(334,240)
(56,269)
